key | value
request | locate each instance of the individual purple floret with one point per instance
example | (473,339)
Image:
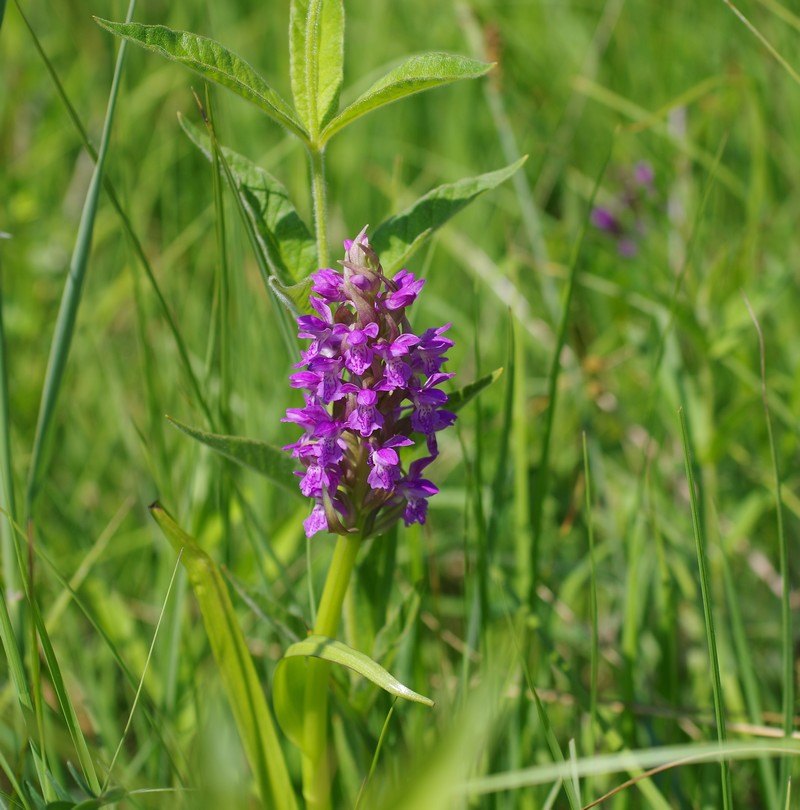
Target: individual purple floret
(370,384)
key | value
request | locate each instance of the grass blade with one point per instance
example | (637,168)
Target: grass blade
(250,710)
(71,298)
(705,589)
(787,644)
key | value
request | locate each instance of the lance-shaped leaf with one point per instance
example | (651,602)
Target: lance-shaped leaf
(213,62)
(421,72)
(397,238)
(250,710)
(316,56)
(282,235)
(456,401)
(289,679)
(271,462)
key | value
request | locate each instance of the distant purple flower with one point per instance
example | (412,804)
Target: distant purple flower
(623,219)
(643,173)
(369,382)
(603,219)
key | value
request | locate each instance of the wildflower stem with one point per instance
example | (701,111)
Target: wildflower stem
(317,159)
(316,773)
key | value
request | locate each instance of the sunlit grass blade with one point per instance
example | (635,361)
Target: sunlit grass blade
(708,615)
(787,633)
(657,759)
(781,60)
(70,301)
(250,709)
(213,62)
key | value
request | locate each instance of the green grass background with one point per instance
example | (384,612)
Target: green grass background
(586,89)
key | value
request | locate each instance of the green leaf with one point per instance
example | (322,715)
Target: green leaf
(213,62)
(295,297)
(421,72)
(337,652)
(316,56)
(288,686)
(456,401)
(270,461)
(250,710)
(397,238)
(282,235)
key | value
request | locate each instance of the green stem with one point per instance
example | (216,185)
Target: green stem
(317,158)
(316,774)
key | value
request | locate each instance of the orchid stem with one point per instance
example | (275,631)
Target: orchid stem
(317,159)
(316,772)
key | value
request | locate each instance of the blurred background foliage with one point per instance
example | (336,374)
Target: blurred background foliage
(586,89)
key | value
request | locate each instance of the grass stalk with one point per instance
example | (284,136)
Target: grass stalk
(127,226)
(71,298)
(595,650)
(708,616)
(543,479)
(787,645)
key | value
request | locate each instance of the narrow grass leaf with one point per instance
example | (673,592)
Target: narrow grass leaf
(261,257)
(64,701)
(418,73)
(316,58)
(543,478)
(8,547)
(787,634)
(124,219)
(71,297)
(212,61)
(250,710)
(397,238)
(705,590)
(659,758)
(283,236)
(270,461)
